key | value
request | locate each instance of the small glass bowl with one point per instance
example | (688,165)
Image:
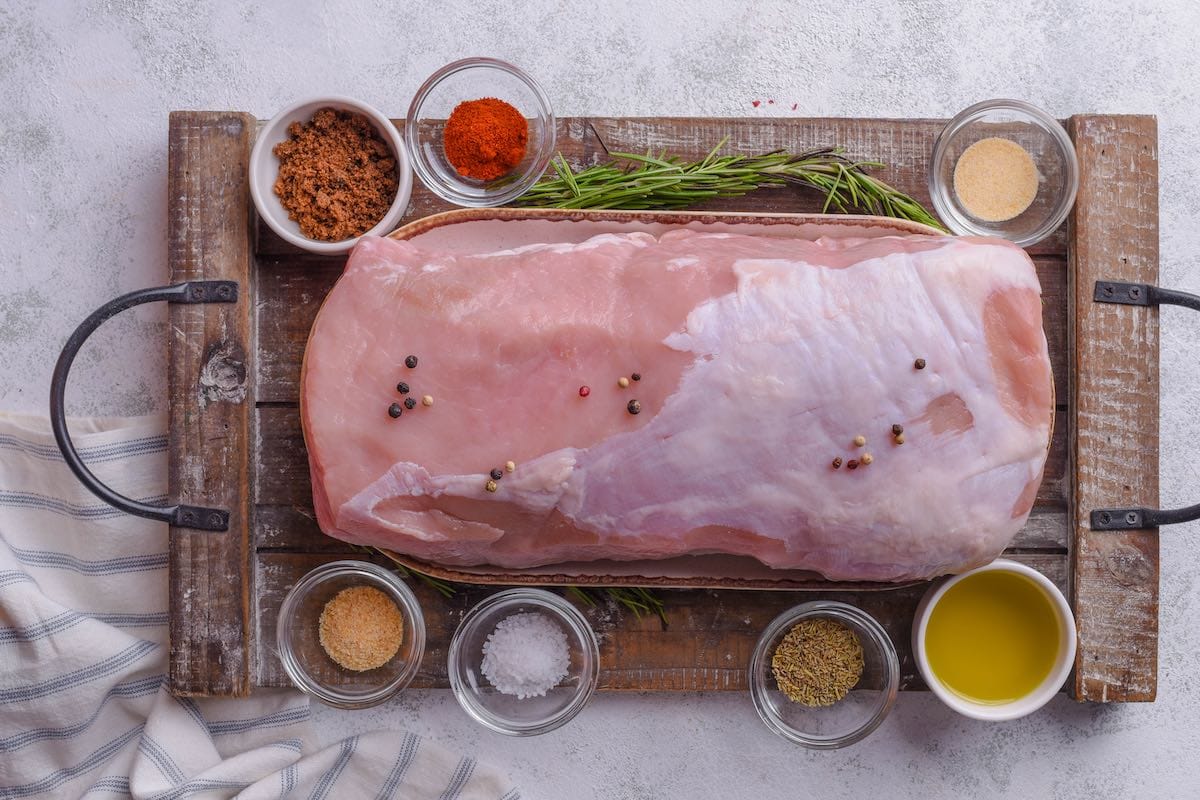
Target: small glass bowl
(851,718)
(1042,137)
(264,169)
(506,713)
(472,79)
(311,668)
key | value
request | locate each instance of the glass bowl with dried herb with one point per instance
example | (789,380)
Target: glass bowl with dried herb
(824,674)
(351,634)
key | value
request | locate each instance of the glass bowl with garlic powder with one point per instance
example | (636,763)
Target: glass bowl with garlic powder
(1003,168)
(824,674)
(351,634)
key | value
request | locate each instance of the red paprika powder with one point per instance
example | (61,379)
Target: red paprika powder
(485,138)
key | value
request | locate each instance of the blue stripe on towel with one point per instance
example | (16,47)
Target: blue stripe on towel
(69,619)
(162,759)
(107,566)
(61,776)
(327,781)
(110,785)
(129,689)
(42,502)
(93,455)
(108,666)
(288,716)
(466,768)
(404,759)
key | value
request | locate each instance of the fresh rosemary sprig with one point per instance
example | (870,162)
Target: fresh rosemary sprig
(639,601)
(444,588)
(667,182)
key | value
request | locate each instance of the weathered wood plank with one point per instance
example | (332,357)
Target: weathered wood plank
(1114,398)
(211,360)
(705,647)
(903,145)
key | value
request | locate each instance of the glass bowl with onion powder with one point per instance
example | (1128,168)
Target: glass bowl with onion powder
(824,674)
(1003,168)
(523,662)
(351,634)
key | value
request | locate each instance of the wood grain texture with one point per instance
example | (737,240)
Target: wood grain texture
(705,646)
(711,633)
(211,357)
(1114,398)
(903,145)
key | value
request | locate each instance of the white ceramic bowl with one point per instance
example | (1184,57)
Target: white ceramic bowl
(1030,702)
(264,168)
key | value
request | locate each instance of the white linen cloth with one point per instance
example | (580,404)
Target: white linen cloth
(84,708)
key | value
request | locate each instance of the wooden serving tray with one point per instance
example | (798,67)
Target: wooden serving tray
(236,441)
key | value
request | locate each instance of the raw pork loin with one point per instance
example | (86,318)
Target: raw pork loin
(761,359)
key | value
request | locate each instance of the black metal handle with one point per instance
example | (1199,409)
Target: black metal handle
(183,516)
(1142,294)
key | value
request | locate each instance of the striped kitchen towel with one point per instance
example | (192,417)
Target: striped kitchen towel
(84,709)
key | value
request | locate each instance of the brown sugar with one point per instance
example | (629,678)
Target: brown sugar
(995,179)
(361,628)
(337,176)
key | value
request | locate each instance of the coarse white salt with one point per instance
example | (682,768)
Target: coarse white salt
(526,655)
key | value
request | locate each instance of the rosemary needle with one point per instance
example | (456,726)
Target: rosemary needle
(668,182)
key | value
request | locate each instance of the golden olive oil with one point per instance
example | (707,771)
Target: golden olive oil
(993,637)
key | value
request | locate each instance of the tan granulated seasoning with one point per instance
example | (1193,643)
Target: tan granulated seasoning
(337,176)
(361,628)
(995,179)
(818,662)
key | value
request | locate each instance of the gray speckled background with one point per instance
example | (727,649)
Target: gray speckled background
(85,92)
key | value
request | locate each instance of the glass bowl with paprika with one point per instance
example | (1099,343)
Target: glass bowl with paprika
(480,131)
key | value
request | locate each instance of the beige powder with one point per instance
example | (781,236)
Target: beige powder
(995,179)
(361,628)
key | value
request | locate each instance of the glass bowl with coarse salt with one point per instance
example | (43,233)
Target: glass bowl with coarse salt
(523,662)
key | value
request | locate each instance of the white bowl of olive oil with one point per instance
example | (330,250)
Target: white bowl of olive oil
(995,643)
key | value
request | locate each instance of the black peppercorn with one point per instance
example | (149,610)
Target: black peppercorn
(410,403)
(837,462)
(497,474)
(637,376)
(634,407)
(897,430)
(852,464)
(394,410)
(402,387)
(411,362)
(919,363)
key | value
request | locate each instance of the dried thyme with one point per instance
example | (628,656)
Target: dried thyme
(818,662)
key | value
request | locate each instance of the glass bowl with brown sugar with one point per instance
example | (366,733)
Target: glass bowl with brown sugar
(326,171)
